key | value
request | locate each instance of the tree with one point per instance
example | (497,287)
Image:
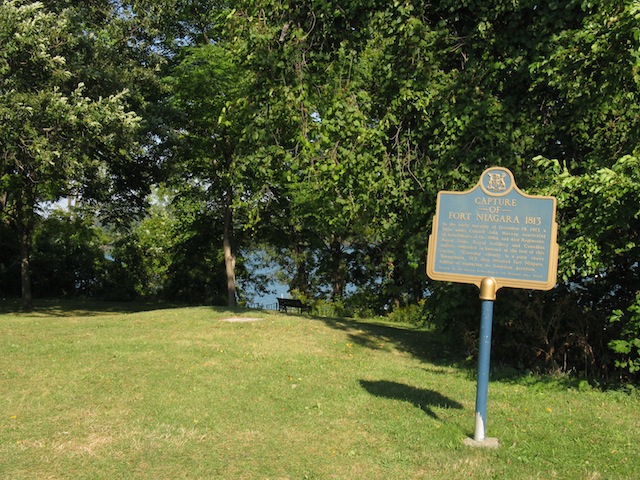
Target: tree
(232,135)
(67,256)
(140,256)
(313,77)
(595,70)
(572,82)
(52,133)
(76,85)
(208,89)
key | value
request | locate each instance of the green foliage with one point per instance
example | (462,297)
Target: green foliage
(603,204)
(413,314)
(599,232)
(66,130)
(140,259)
(195,271)
(579,103)
(627,347)
(68,257)
(331,309)
(9,262)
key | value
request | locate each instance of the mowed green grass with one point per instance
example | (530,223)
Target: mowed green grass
(101,393)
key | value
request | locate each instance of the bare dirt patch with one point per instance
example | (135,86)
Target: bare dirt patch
(241,319)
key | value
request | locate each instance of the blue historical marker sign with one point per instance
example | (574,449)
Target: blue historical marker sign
(494,231)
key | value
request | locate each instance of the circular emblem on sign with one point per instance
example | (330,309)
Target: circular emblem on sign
(497,181)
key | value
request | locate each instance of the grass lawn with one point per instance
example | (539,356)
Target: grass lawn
(89,391)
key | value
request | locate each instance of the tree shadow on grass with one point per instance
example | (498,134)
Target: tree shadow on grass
(69,307)
(421,398)
(430,346)
(51,307)
(426,344)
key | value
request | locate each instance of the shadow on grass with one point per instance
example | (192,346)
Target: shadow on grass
(90,308)
(421,398)
(538,382)
(425,344)
(430,346)
(75,307)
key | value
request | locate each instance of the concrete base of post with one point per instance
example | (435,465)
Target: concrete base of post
(486,443)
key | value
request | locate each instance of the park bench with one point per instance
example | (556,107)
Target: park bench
(285,303)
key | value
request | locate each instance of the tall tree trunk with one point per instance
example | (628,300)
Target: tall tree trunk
(25,268)
(25,222)
(300,280)
(229,257)
(338,271)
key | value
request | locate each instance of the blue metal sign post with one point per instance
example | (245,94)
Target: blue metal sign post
(493,236)
(487,295)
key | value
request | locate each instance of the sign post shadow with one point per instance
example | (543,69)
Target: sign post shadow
(493,236)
